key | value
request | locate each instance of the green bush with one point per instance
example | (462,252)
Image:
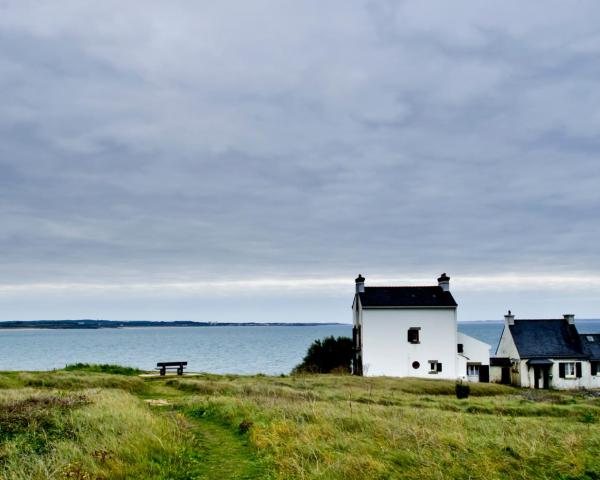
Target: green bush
(327,355)
(103,368)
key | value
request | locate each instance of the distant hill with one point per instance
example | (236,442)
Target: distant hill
(95,324)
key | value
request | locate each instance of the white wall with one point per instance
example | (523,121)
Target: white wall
(475,351)
(386,350)
(570,383)
(495,374)
(506,346)
(594,382)
(586,381)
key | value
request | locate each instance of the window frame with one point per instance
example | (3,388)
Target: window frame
(571,365)
(475,367)
(416,332)
(435,367)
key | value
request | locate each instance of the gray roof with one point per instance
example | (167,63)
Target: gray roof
(406,297)
(553,338)
(591,345)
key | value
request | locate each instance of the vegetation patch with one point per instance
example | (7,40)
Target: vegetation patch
(328,355)
(103,368)
(297,427)
(35,420)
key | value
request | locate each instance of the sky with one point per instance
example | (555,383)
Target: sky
(244,161)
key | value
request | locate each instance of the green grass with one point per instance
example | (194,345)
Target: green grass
(89,424)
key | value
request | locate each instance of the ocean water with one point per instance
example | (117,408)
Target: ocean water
(242,350)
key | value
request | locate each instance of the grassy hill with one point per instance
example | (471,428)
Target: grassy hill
(84,423)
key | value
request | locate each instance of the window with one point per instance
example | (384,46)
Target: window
(460,348)
(435,366)
(570,369)
(472,370)
(413,334)
(416,365)
(594,368)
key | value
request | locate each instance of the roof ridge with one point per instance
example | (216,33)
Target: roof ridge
(540,319)
(403,286)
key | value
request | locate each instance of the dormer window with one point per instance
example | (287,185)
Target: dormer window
(413,335)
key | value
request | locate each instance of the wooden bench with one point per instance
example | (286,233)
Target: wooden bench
(164,366)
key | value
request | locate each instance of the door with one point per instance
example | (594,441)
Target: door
(536,377)
(541,376)
(505,376)
(546,377)
(484,373)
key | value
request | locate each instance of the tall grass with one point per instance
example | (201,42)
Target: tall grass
(105,434)
(89,425)
(332,427)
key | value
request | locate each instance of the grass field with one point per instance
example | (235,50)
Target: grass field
(85,423)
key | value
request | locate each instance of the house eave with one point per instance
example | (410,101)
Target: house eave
(558,357)
(391,307)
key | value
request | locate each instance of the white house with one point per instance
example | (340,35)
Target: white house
(412,332)
(546,353)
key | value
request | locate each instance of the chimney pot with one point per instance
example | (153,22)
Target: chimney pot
(444,282)
(360,284)
(509,318)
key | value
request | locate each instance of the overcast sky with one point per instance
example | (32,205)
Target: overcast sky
(245,160)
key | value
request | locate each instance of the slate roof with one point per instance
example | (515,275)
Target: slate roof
(547,339)
(591,345)
(406,297)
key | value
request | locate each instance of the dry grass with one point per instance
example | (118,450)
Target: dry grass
(328,427)
(87,425)
(93,434)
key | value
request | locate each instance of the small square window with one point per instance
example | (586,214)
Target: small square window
(472,370)
(413,335)
(435,366)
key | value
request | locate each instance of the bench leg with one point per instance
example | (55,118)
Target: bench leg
(163,371)
(180,371)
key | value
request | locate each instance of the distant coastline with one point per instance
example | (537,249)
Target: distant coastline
(86,324)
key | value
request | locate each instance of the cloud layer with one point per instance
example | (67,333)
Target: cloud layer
(168,143)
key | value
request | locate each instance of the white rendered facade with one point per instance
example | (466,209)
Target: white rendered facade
(385,347)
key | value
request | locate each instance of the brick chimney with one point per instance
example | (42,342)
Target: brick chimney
(509,318)
(570,318)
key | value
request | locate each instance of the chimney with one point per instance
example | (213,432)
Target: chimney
(509,318)
(360,284)
(570,318)
(444,282)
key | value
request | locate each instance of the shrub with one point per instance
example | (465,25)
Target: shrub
(462,390)
(103,368)
(327,355)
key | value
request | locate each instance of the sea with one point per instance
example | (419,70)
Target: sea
(271,350)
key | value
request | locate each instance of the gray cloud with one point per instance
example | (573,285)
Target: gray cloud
(153,142)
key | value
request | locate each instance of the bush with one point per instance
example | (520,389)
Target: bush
(104,368)
(327,355)
(462,390)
